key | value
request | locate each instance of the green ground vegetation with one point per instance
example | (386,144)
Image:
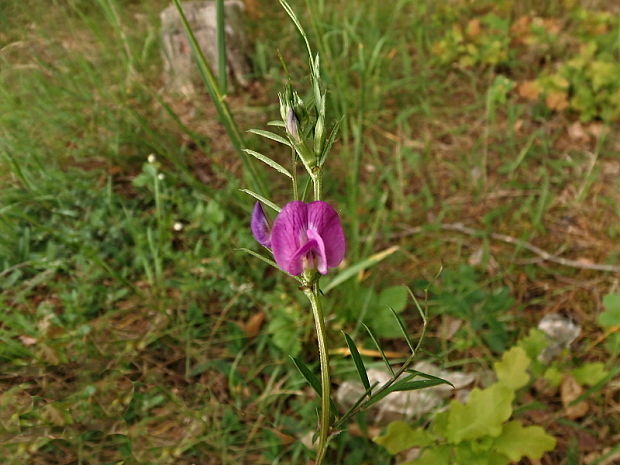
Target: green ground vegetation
(478,163)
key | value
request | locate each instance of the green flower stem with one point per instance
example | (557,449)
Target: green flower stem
(316,181)
(319,320)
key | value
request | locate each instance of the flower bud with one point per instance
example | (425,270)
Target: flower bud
(292,125)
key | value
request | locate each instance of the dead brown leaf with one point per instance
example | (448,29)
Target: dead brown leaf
(27,340)
(569,391)
(577,132)
(521,28)
(449,326)
(286,439)
(557,100)
(529,90)
(473,28)
(252,326)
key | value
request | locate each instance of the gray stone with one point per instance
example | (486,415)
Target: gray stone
(180,71)
(404,405)
(560,331)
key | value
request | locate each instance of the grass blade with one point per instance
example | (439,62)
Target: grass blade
(357,359)
(380,349)
(353,270)
(217,97)
(220,19)
(262,199)
(268,161)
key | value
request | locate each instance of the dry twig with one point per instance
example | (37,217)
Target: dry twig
(460,227)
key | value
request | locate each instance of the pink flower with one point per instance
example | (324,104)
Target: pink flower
(304,236)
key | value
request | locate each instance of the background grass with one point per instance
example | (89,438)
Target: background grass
(127,340)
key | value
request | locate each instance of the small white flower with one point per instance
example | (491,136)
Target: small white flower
(177,226)
(151,158)
(160,176)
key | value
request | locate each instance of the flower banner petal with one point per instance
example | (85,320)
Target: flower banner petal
(288,235)
(325,221)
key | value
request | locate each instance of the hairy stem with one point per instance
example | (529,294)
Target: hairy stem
(319,322)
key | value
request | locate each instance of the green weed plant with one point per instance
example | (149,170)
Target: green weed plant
(478,431)
(585,82)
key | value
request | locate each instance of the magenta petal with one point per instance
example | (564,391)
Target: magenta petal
(323,219)
(307,236)
(288,235)
(260,226)
(303,253)
(319,250)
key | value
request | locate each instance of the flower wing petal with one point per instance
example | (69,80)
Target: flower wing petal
(288,235)
(260,226)
(323,219)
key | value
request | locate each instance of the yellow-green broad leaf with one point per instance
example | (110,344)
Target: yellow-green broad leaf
(517,441)
(512,369)
(589,374)
(483,414)
(611,316)
(441,455)
(479,453)
(534,343)
(399,436)
(553,376)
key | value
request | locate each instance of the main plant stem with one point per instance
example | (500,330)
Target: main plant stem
(316,181)
(319,321)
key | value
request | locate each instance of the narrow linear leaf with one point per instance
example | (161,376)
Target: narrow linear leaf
(330,141)
(313,381)
(354,408)
(277,123)
(417,305)
(403,385)
(379,348)
(293,17)
(267,261)
(403,329)
(270,135)
(268,161)
(353,270)
(420,384)
(262,199)
(357,359)
(422,315)
(427,376)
